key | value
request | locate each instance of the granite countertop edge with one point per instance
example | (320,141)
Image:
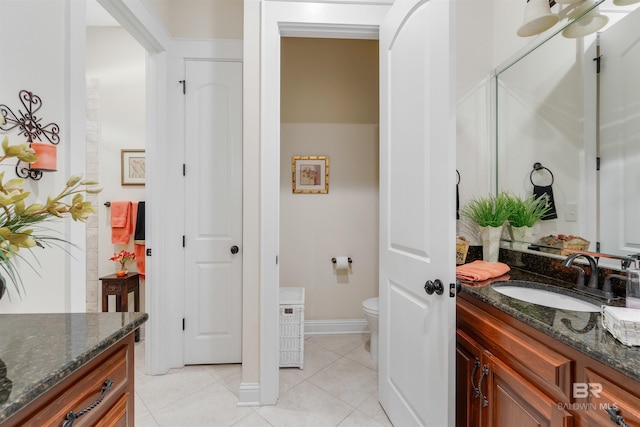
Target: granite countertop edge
(41,387)
(603,354)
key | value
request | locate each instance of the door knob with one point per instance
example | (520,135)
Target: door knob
(434,286)
(234,249)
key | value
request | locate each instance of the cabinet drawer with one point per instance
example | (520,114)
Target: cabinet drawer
(602,394)
(81,390)
(532,359)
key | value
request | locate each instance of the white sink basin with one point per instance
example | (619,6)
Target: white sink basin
(544,297)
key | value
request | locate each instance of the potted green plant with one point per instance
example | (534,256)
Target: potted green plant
(524,214)
(490,215)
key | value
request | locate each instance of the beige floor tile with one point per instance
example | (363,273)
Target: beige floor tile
(289,378)
(371,408)
(158,391)
(316,358)
(347,380)
(212,406)
(339,343)
(362,355)
(358,419)
(306,405)
(252,420)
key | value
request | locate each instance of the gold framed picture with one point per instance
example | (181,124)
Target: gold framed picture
(310,174)
(132,167)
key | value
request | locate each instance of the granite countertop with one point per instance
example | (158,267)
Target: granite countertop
(582,331)
(39,350)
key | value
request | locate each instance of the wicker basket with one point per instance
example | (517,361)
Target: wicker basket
(462,247)
(292,327)
(573,243)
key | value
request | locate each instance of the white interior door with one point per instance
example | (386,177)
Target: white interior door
(213,213)
(416,369)
(620,137)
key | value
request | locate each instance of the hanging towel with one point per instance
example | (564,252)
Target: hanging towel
(120,222)
(139,239)
(481,270)
(541,190)
(138,235)
(457,202)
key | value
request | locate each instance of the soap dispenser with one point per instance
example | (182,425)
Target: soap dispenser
(633,289)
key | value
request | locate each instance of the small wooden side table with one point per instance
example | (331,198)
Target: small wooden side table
(121,287)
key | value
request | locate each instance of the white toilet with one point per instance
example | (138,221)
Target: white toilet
(370,310)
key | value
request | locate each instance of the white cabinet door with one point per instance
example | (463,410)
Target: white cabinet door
(213,213)
(417,213)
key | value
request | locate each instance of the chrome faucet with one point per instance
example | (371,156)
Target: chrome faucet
(593,264)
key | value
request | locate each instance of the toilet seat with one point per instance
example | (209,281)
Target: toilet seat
(371,306)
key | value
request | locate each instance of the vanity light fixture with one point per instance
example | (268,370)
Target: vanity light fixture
(591,22)
(28,124)
(538,17)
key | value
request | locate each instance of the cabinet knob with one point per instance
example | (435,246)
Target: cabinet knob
(234,249)
(614,414)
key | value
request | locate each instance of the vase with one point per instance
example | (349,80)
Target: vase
(490,242)
(122,273)
(521,236)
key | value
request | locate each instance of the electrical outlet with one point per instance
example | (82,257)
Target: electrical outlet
(571,212)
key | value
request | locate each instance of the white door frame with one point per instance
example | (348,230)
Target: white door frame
(358,19)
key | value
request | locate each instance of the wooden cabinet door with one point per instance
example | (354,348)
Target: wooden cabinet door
(468,374)
(516,402)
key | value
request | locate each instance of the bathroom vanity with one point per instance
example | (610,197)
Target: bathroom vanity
(67,369)
(525,364)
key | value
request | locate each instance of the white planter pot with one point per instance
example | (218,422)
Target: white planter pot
(490,242)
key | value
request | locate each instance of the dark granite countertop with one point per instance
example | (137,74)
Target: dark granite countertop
(39,350)
(582,331)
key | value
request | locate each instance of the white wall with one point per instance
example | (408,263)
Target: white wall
(35,61)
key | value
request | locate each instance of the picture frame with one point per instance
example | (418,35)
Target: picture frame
(132,167)
(310,174)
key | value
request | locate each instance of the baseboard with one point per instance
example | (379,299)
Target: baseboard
(249,394)
(346,326)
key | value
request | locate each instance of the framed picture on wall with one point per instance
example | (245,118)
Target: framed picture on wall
(310,174)
(133,165)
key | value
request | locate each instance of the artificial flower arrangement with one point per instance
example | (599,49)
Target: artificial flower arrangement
(22,225)
(122,257)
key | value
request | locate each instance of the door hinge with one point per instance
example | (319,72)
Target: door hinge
(184,86)
(276,259)
(183,323)
(184,241)
(148,252)
(184,169)
(597,163)
(598,247)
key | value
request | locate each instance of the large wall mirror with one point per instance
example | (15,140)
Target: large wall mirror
(571,106)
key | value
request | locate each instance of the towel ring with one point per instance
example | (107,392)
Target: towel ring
(458,177)
(538,166)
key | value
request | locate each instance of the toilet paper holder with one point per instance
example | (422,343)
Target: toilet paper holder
(333,260)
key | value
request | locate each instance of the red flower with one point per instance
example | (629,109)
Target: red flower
(123,257)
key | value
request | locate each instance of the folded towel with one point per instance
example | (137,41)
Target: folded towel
(481,270)
(120,222)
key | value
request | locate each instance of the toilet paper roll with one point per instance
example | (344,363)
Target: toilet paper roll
(342,263)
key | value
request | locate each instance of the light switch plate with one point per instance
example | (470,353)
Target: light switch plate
(571,212)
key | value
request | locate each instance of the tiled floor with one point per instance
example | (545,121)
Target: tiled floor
(337,387)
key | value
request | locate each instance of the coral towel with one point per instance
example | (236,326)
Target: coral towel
(481,270)
(121,226)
